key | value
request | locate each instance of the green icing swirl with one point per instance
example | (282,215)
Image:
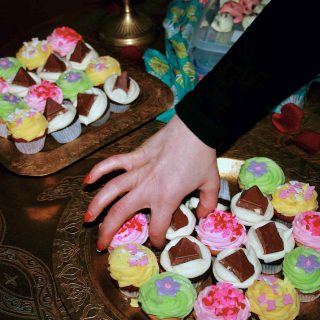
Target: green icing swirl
(306,282)
(267,182)
(73,82)
(166,306)
(8,104)
(9,66)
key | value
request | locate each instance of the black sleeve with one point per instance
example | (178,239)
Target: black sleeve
(274,57)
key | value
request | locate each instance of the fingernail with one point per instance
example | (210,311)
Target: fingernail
(100,247)
(87,216)
(86,179)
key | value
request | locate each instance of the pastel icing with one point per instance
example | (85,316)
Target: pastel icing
(294,197)
(272,298)
(34,53)
(4,87)
(134,230)
(27,124)
(9,66)
(167,295)
(73,82)
(63,40)
(221,230)
(37,95)
(101,68)
(262,172)
(222,302)
(132,264)
(306,229)
(8,104)
(301,267)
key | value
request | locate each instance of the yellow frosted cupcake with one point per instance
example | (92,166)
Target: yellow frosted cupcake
(101,68)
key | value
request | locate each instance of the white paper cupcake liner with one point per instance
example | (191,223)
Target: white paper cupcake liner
(130,294)
(271,268)
(31,147)
(3,130)
(308,297)
(69,133)
(118,108)
(105,117)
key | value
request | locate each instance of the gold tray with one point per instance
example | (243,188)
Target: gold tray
(155,98)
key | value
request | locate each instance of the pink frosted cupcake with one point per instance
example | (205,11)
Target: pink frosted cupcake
(221,302)
(63,40)
(135,230)
(221,230)
(38,94)
(4,87)
(306,229)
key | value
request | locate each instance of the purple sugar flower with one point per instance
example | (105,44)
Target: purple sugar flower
(167,287)
(258,169)
(308,263)
(74,77)
(11,99)
(5,63)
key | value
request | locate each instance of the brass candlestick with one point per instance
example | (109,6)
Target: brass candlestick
(127,28)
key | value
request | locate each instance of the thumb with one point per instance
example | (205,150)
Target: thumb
(208,199)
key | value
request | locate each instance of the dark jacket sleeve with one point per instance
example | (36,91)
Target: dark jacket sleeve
(274,57)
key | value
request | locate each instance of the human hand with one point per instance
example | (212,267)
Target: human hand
(159,174)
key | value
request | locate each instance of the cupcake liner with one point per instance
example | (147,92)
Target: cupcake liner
(308,297)
(31,147)
(152,317)
(3,130)
(118,108)
(130,293)
(69,133)
(102,120)
(271,268)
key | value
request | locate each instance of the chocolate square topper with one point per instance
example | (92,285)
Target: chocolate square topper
(122,82)
(23,79)
(179,220)
(54,64)
(85,102)
(53,109)
(79,52)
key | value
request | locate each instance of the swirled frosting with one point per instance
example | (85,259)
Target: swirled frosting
(4,87)
(306,229)
(9,66)
(132,265)
(8,104)
(272,298)
(262,172)
(301,267)
(221,230)
(167,295)
(222,302)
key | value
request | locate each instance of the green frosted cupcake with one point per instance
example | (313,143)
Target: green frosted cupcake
(9,66)
(262,172)
(73,82)
(8,104)
(301,267)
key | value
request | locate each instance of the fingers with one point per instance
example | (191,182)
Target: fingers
(208,200)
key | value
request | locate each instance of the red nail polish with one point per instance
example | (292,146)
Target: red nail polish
(87,216)
(100,247)
(87,179)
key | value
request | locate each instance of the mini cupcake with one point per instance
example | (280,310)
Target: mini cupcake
(306,229)
(221,302)
(73,82)
(4,87)
(9,66)
(63,40)
(222,22)
(130,266)
(239,267)
(292,198)
(28,129)
(272,298)
(221,230)
(53,68)
(38,94)
(271,241)
(122,91)
(99,69)
(34,53)
(251,206)
(182,223)
(262,172)
(301,267)
(167,295)
(135,230)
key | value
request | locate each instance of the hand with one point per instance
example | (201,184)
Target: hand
(159,174)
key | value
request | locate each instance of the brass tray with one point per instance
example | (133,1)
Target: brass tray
(155,98)
(81,273)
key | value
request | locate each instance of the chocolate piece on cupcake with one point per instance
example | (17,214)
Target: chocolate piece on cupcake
(53,68)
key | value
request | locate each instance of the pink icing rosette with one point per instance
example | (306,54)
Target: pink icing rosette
(306,229)
(221,230)
(222,302)
(135,230)
(4,87)
(63,40)
(37,95)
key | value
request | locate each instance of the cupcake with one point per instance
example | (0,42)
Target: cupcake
(301,267)
(130,266)
(4,87)
(262,172)
(134,230)
(28,129)
(306,229)
(272,298)
(221,302)
(239,267)
(271,241)
(122,91)
(9,66)
(63,40)
(251,206)
(34,53)
(182,223)
(167,295)
(222,22)
(38,94)
(99,69)
(63,122)
(186,256)
(292,198)
(73,82)
(221,230)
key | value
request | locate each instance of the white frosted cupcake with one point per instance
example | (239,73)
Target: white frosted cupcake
(53,68)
